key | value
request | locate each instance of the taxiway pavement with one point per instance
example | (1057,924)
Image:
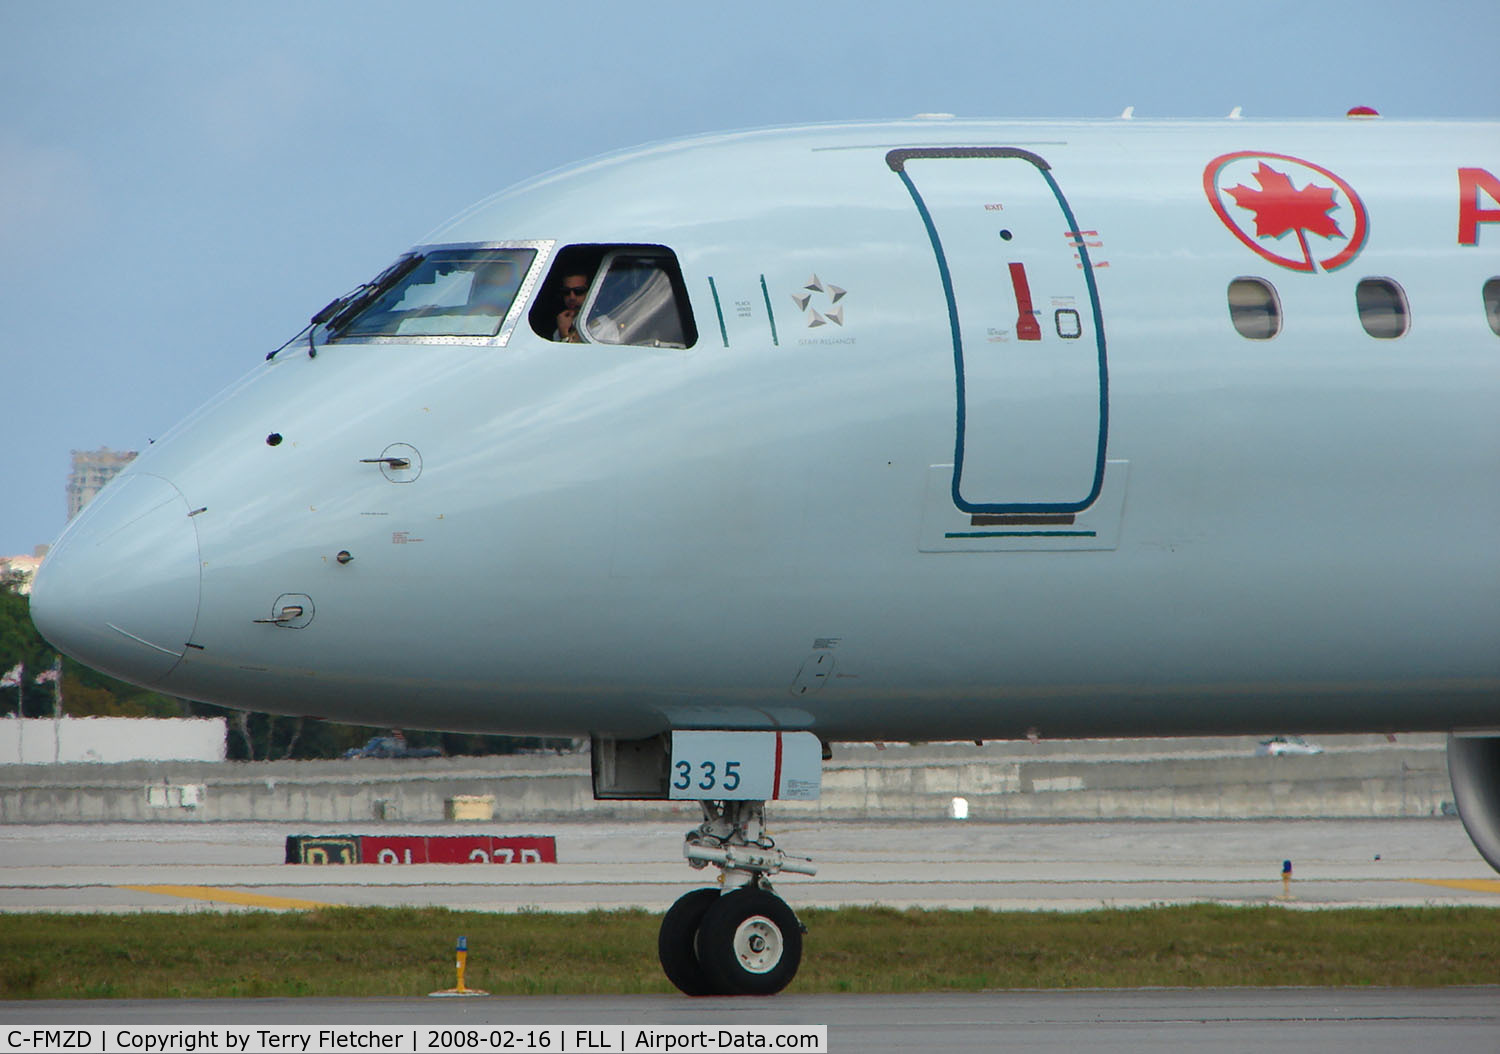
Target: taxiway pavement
(1152,1021)
(1009,866)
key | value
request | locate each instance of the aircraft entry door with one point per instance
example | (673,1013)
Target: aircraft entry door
(1028,341)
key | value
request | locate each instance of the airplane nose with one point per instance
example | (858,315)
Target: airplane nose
(119,591)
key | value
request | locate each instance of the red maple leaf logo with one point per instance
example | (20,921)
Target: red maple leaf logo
(1280,207)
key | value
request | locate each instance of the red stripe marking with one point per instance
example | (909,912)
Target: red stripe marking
(776,784)
(1027,327)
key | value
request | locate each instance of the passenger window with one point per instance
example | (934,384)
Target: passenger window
(1492,304)
(1254,308)
(1382,308)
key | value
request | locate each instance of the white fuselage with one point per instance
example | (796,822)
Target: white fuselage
(765,529)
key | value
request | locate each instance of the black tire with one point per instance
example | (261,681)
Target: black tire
(676,943)
(749,943)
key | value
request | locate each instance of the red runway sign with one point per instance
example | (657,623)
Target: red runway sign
(421,849)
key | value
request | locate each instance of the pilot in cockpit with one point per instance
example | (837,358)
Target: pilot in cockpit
(572,292)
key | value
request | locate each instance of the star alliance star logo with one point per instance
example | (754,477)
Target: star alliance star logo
(834,312)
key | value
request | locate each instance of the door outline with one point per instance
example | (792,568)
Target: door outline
(897,159)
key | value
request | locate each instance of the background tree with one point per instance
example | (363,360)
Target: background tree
(21,643)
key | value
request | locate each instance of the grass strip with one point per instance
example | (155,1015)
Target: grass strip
(396,952)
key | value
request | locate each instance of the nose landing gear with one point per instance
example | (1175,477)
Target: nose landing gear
(743,940)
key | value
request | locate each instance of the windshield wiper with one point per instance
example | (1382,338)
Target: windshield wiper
(340,312)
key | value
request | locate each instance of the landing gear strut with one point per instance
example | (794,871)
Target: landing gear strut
(741,939)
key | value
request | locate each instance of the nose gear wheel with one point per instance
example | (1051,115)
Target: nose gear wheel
(757,944)
(677,943)
(750,943)
(741,939)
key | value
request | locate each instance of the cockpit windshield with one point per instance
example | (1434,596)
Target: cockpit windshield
(449,293)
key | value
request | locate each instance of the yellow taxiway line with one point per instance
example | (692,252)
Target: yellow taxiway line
(1473,885)
(230,896)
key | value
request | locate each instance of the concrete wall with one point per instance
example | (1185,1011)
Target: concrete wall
(47,741)
(1350,780)
(1180,779)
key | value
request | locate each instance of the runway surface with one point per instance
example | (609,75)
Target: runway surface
(1360,1021)
(1010,866)
(1074,866)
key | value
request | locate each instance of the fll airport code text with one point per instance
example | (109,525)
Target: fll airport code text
(509,1039)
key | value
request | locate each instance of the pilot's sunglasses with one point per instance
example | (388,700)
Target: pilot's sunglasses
(575,290)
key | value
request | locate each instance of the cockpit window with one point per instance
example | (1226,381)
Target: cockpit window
(451,293)
(632,295)
(635,301)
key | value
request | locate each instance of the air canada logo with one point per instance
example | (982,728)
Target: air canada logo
(1294,213)
(833,306)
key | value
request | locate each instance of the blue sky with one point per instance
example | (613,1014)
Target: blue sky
(183,184)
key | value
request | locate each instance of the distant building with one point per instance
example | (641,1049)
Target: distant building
(91,470)
(20,569)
